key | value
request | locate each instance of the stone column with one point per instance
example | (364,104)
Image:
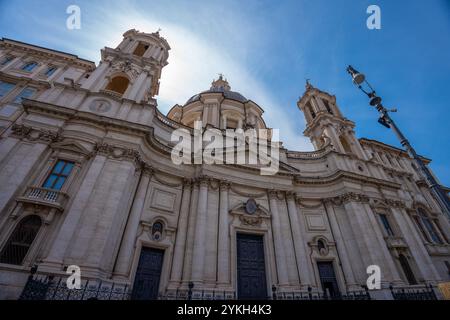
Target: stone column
(223,261)
(343,254)
(180,241)
(418,250)
(385,254)
(95,76)
(280,255)
(137,84)
(200,232)
(289,244)
(187,265)
(16,168)
(304,267)
(126,251)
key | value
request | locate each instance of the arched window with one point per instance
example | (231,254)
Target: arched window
(51,70)
(345,144)
(407,269)
(6,60)
(429,226)
(29,66)
(20,240)
(118,84)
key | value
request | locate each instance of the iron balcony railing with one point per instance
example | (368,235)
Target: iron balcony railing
(424,293)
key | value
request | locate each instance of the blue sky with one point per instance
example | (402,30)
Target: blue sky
(267,49)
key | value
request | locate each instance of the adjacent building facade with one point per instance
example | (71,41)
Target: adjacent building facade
(86,179)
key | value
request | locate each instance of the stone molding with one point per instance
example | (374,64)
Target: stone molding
(32,134)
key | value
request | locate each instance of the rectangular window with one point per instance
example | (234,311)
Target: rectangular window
(6,60)
(422,230)
(441,231)
(59,174)
(5,87)
(387,226)
(431,230)
(25,93)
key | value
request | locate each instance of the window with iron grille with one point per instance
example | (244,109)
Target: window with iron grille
(59,175)
(20,240)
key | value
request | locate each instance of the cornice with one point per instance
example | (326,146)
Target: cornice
(50,53)
(28,133)
(24,80)
(346,198)
(337,175)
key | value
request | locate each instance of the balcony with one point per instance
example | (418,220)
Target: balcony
(45,197)
(395,242)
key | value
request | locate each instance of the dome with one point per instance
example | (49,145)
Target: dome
(233,95)
(223,87)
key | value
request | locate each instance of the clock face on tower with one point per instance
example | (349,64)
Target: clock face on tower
(250,206)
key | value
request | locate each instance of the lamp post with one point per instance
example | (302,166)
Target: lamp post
(360,81)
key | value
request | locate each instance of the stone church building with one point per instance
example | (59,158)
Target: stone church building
(86,179)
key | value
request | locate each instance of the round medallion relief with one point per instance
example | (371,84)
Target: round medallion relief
(251,206)
(100,106)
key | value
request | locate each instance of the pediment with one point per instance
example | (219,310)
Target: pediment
(70,145)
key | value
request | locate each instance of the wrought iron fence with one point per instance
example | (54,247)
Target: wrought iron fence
(425,293)
(198,295)
(49,288)
(310,295)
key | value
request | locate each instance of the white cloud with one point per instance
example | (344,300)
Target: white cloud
(193,63)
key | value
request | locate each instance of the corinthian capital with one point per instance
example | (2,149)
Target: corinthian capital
(290,195)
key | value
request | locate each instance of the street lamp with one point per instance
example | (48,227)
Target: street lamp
(360,81)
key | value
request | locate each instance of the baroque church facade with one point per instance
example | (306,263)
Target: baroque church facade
(87,180)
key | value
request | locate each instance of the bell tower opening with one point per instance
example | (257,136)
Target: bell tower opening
(132,69)
(140,49)
(118,84)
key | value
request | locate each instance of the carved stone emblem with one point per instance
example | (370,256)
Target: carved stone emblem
(250,206)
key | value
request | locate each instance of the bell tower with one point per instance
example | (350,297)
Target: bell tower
(132,70)
(326,124)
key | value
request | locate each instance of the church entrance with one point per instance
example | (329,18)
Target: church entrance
(328,278)
(251,270)
(148,273)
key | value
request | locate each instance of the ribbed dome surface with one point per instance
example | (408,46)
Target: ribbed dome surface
(220,85)
(233,95)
